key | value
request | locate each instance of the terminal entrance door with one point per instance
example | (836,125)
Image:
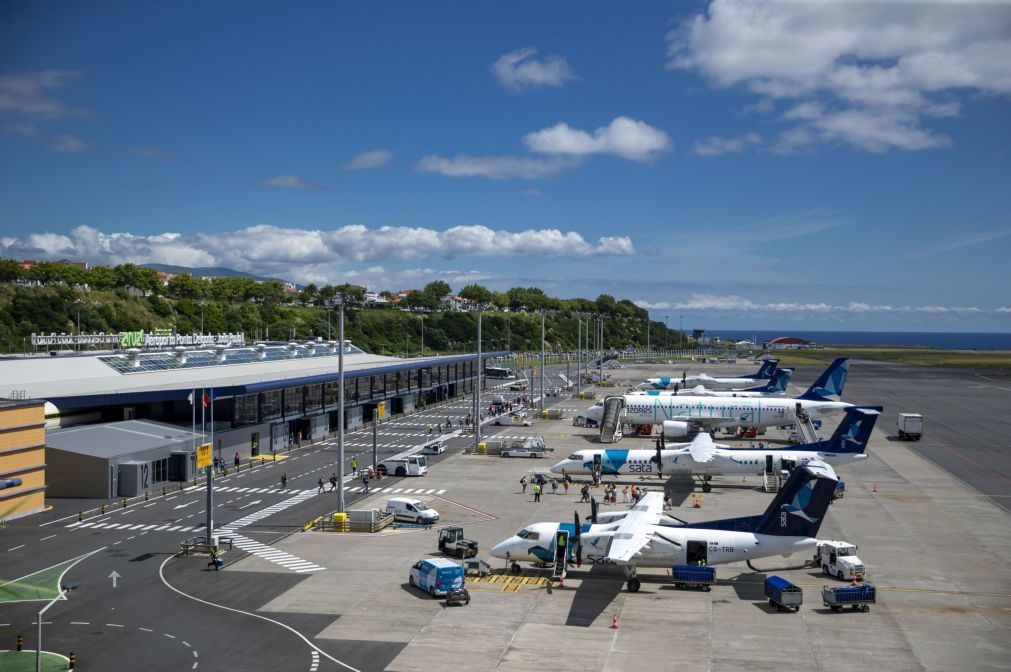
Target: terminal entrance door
(278,436)
(254,444)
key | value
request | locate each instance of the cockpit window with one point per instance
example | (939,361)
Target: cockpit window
(528,534)
(574,456)
(522,534)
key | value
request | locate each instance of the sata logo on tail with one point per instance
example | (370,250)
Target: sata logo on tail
(797,506)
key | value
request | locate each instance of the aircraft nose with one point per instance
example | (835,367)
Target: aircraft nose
(560,467)
(499,550)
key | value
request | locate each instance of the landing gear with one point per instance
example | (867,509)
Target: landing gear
(516,567)
(633,581)
(706,487)
(703,482)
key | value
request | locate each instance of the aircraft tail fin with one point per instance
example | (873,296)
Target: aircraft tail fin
(853,433)
(829,386)
(780,378)
(766,370)
(800,507)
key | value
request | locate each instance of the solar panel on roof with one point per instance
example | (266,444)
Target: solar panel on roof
(146,362)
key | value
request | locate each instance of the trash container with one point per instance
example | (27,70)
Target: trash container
(340,522)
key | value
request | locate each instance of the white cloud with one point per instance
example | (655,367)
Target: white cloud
(519,69)
(865,74)
(68,144)
(1003,309)
(628,138)
(974,239)
(289,182)
(733,302)
(715,145)
(28,94)
(26,129)
(373,159)
(267,249)
(493,167)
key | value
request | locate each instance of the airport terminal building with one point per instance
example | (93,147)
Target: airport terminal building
(121,423)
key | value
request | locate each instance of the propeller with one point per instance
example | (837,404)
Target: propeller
(578,540)
(659,462)
(593,510)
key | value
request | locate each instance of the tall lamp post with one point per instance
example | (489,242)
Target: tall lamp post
(666,323)
(422,335)
(477,389)
(542,364)
(78,302)
(340,402)
(579,351)
(681,330)
(202,304)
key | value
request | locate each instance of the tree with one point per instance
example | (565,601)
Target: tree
(185,286)
(438,289)
(101,277)
(271,292)
(10,270)
(477,294)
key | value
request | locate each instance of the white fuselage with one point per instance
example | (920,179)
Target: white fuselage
(745,462)
(668,545)
(719,412)
(722,383)
(703,392)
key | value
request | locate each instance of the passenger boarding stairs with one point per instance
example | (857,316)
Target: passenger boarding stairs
(610,424)
(770,481)
(805,428)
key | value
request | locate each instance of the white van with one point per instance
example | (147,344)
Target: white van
(411,510)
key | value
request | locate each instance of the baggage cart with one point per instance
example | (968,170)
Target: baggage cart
(695,577)
(457,596)
(782,594)
(858,597)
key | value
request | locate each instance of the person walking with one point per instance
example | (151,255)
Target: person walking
(333,482)
(320,484)
(365,483)
(215,559)
(354,466)
(429,425)
(624,495)
(554,486)
(237,460)
(284,481)
(537,492)
(565,485)
(523,484)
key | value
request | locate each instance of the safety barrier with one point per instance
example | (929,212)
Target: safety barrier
(201,545)
(338,522)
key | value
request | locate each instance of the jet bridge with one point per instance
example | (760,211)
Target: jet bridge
(610,423)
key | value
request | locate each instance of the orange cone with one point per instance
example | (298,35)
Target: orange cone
(854,577)
(614,620)
(875,488)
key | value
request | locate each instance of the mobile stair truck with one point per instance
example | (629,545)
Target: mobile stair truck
(859,597)
(699,577)
(782,594)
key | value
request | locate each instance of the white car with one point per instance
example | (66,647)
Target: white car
(434,448)
(515,419)
(522,452)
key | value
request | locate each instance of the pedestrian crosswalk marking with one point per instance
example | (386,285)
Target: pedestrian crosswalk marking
(271,554)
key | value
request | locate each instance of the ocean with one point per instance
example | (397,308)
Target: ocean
(946,340)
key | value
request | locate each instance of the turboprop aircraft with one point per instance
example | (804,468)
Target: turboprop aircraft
(639,537)
(775,387)
(762,376)
(683,416)
(703,458)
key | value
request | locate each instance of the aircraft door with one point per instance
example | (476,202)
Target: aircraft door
(696,551)
(768,464)
(596,467)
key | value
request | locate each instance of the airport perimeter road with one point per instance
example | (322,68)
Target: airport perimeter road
(966,416)
(121,616)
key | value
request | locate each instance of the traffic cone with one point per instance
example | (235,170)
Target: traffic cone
(614,620)
(875,488)
(853,576)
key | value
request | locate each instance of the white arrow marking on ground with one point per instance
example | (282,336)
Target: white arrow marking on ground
(250,504)
(183,506)
(114,575)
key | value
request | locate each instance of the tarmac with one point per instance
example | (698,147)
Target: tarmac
(936,547)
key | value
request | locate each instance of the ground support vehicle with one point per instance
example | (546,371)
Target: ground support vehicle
(452,542)
(782,594)
(457,596)
(697,577)
(412,465)
(523,452)
(436,576)
(858,597)
(839,559)
(910,426)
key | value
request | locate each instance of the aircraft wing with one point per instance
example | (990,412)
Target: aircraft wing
(702,448)
(705,423)
(634,531)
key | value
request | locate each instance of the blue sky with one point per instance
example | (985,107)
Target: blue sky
(745,164)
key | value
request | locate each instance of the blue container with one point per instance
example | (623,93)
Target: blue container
(693,576)
(782,594)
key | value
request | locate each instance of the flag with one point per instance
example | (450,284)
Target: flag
(206,399)
(189,398)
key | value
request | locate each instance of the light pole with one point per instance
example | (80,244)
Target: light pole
(647,334)
(477,390)
(542,364)
(340,404)
(328,309)
(202,304)
(579,351)
(422,335)
(78,343)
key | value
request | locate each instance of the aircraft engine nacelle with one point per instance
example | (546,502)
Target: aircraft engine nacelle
(675,429)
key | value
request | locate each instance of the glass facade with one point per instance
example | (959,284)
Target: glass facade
(293,400)
(313,398)
(270,405)
(245,410)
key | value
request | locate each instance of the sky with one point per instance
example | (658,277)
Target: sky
(743,164)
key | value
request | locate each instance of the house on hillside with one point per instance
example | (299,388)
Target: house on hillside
(456,304)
